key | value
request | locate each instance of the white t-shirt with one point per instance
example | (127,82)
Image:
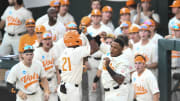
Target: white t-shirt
(26,78)
(109,24)
(119,64)
(144,18)
(71,64)
(58,30)
(155,38)
(104,48)
(66,18)
(41,20)
(94,32)
(145,85)
(133,13)
(15,19)
(117,31)
(171,23)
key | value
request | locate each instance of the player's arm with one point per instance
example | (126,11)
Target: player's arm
(152,66)
(96,79)
(2,23)
(58,75)
(156,96)
(46,87)
(138,17)
(116,77)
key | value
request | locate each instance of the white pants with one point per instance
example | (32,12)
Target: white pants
(73,93)
(120,94)
(9,43)
(36,97)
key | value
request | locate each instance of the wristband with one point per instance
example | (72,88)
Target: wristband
(96,79)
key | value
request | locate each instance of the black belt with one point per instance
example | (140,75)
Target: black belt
(49,79)
(96,58)
(32,93)
(116,87)
(19,34)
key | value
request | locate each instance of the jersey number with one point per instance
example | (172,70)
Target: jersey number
(68,62)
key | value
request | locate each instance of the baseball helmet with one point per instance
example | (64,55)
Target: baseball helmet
(133,29)
(176,3)
(96,12)
(64,2)
(71,25)
(176,27)
(150,22)
(144,27)
(124,10)
(46,35)
(54,3)
(130,2)
(107,9)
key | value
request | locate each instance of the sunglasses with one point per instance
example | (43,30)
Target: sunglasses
(47,35)
(28,47)
(124,25)
(175,27)
(72,25)
(143,27)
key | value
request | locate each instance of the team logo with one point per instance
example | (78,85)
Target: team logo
(24,72)
(43,57)
(10,12)
(134,79)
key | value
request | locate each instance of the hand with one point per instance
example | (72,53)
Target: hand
(168,37)
(150,13)
(107,61)
(46,96)
(22,95)
(88,67)
(94,86)
(102,34)
(139,8)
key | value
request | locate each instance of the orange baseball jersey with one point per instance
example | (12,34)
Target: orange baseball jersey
(26,78)
(26,40)
(145,85)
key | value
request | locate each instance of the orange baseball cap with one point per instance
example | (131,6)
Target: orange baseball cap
(130,2)
(133,29)
(85,21)
(71,25)
(140,58)
(40,28)
(64,2)
(28,48)
(175,3)
(54,3)
(96,12)
(176,27)
(30,22)
(145,0)
(144,27)
(125,24)
(150,22)
(107,9)
(124,10)
(46,35)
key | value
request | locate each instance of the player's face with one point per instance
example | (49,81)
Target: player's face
(106,16)
(52,15)
(145,5)
(11,2)
(95,5)
(177,34)
(64,8)
(30,29)
(139,67)
(174,10)
(125,30)
(152,28)
(39,35)
(125,17)
(116,49)
(96,19)
(47,43)
(134,36)
(109,41)
(28,57)
(144,34)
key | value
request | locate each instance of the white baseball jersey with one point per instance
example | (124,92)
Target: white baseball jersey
(109,24)
(71,63)
(105,48)
(26,78)
(149,51)
(58,30)
(144,18)
(129,54)
(36,44)
(133,13)
(119,64)
(171,23)
(117,31)
(42,19)
(94,32)
(66,18)
(155,38)
(145,85)
(15,19)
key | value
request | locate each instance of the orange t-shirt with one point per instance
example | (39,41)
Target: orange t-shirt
(26,40)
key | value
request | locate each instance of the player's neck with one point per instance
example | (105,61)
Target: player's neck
(28,64)
(46,49)
(152,34)
(51,23)
(96,26)
(145,41)
(105,21)
(16,6)
(62,13)
(178,16)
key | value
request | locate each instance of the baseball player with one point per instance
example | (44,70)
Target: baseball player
(124,16)
(14,19)
(175,10)
(47,57)
(23,78)
(95,4)
(54,26)
(71,65)
(145,14)
(107,16)
(39,29)
(134,34)
(64,16)
(147,48)
(114,73)
(154,36)
(71,26)
(144,82)
(44,18)
(29,38)
(131,4)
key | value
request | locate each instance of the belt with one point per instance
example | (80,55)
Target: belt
(32,93)
(96,58)
(19,34)
(49,79)
(116,87)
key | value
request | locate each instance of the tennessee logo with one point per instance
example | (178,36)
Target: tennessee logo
(140,90)
(13,21)
(48,64)
(30,79)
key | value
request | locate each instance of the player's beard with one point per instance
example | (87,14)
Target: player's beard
(12,4)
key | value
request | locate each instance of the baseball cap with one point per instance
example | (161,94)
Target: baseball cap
(145,0)
(30,22)
(150,22)
(125,24)
(96,12)
(64,2)
(140,58)
(85,21)
(54,3)
(144,27)
(28,48)
(133,29)
(46,35)
(176,27)
(176,3)
(124,10)
(40,28)
(107,9)
(130,2)
(71,25)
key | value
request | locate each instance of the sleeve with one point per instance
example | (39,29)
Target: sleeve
(122,68)
(12,77)
(152,83)
(85,50)
(21,44)
(156,18)
(3,17)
